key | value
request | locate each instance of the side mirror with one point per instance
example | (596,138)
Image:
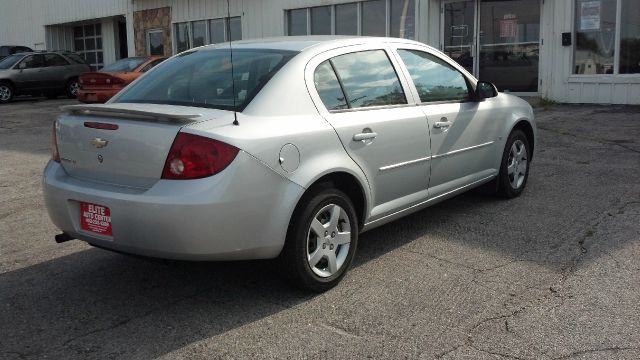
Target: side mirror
(22,65)
(485,90)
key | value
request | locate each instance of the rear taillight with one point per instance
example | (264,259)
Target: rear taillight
(55,155)
(194,157)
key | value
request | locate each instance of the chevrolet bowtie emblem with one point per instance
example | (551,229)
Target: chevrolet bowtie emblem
(99,143)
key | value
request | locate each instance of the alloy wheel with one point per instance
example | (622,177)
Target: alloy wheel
(517,164)
(5,93)
(328,240)
(74,88)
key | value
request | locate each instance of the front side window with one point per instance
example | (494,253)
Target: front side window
(31,62)
(203,78)
(435,80)
(328,87)
(369,79)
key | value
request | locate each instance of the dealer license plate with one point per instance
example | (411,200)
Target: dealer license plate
(95,218)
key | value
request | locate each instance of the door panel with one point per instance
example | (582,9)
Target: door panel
(464,151)
(396,160)
(360,94)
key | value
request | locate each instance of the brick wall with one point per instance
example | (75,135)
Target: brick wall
(151,19)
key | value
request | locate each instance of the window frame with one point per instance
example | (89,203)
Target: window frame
(393,60)
(470,88)
(154,31)
(617,40)
(359,19)
(207,21)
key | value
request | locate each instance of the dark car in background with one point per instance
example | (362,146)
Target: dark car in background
(100,86)
(48,73)
(6,50)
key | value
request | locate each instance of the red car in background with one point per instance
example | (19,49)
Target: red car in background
(98,87)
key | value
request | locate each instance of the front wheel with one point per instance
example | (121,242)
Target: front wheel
(73,87)
(321,241)
(514,169)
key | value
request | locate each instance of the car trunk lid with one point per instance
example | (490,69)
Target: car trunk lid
(125,144)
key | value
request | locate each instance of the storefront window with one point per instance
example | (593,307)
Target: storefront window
(155,40)
(199,31)
(297,21)
(235,29)
(396,18)
(630,37)
(347,19)
(595,36)
(321,20)
(403,19)
(216,31)
(373,18)
(182,37)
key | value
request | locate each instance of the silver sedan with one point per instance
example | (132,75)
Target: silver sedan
(281,148)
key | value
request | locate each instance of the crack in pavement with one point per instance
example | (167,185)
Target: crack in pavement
(592,351)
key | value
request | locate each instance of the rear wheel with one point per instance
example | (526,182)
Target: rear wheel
(73,87)
(514,169)
(6,92)
(321,241)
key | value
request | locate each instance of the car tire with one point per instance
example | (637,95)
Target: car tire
(514,168)
(317,262)
(72,88)
(6,92)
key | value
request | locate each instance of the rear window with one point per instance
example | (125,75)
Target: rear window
(203,78)
(125,65)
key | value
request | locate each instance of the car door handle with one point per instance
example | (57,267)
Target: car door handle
(364,136)
(442,124)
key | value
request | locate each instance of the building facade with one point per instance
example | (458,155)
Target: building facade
(575,51)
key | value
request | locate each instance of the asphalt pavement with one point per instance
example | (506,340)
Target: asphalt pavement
(553,274)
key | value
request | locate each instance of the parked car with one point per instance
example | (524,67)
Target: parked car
(317,140)
(40,73)
(98,87)
(7,50)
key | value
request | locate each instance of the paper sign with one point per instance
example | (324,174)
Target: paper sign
(590,15)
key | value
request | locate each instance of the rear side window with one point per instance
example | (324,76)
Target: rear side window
(75,58)
(55,60)
(435,80)
(328,87)
(369,79)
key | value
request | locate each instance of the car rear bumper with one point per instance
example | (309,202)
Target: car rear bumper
(96,96)
(240,213)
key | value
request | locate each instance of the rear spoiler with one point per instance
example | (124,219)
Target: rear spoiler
(144,111)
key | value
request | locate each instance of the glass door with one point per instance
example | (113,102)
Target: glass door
(508,34)
(510,44)
(458,32)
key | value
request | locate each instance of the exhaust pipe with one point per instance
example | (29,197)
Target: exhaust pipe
(64,237)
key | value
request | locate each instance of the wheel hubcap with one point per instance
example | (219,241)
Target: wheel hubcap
(74,87)
(517,164)
(328,240)
(5,93)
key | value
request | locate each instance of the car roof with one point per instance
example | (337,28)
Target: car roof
(305,43)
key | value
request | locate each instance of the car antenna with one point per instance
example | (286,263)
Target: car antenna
(233,78)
